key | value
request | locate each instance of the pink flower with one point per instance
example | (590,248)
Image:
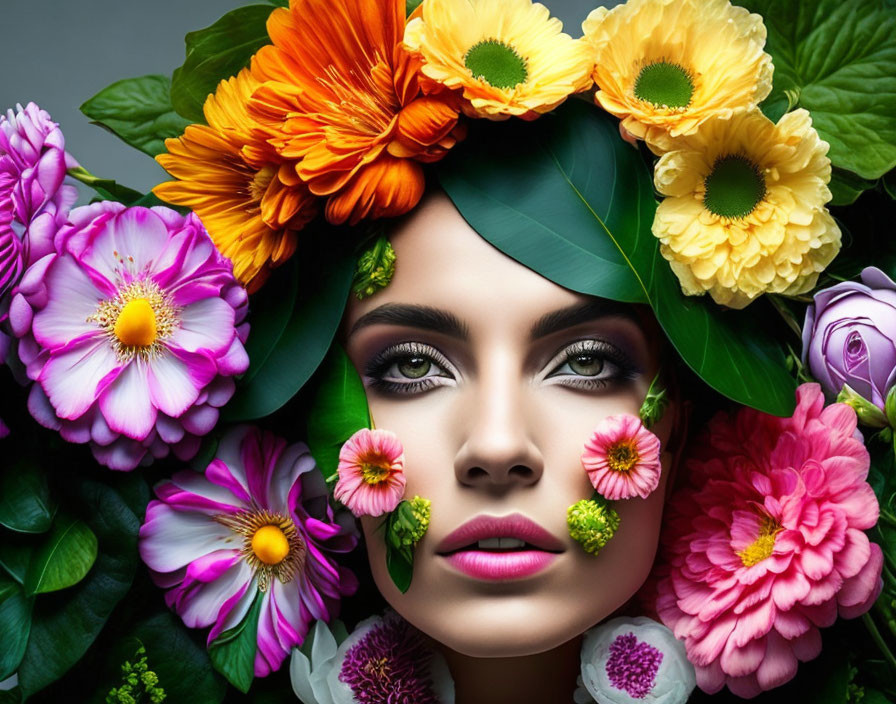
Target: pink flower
(132,329)
(371,473)
(767,545)
(258,521)
(622,458)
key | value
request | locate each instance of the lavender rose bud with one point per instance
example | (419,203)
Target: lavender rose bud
(849,337)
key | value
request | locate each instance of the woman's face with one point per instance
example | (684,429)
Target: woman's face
(493,378)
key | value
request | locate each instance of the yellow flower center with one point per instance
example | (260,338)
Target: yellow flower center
(763,546)
(378,668)
(136,324)
(734,187)
(270,545)
(622,456)
(665,84)
(260,182)
(496,63)
(375,472)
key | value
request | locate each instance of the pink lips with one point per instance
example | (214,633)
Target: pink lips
(460,549)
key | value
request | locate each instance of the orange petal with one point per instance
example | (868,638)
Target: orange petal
(388,187)
(424,122)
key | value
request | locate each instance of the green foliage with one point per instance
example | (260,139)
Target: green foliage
(15,625)
(15,556)
(64,558)
(137,110)
(846,186)
(233,652)
(26,505)
(138,683)
(215,53)
(106,188)
(566,206)
(405,527)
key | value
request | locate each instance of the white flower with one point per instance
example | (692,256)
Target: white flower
(635,661)
(309,676)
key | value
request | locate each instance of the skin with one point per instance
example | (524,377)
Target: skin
(501,430)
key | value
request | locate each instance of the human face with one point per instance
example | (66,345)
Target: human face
(493,378)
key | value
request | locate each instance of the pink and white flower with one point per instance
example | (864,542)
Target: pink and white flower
(257,523)
(622,458)
(133,329)
(371,473)
(766,546)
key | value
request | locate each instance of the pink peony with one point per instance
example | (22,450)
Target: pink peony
(622,458)
(371,473)
(258,522)
(766,546)
(132,329)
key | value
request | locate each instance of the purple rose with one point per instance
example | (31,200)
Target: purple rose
(850,336)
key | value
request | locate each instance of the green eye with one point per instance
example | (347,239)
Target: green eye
(414,367)
(586,364)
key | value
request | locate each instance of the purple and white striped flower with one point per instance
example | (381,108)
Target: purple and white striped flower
(257,523)
(133,329)
(632,661)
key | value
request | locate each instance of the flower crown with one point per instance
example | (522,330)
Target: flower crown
(293,136)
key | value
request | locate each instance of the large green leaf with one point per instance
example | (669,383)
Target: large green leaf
(216,53)
(15,555)
(65,624)
(339,410)
(15,625)
(569,199)
(138,110)
(25,502)
(66,556)
(846,186)
(837,59)
(233,652)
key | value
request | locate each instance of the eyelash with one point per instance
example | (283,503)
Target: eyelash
(378,367)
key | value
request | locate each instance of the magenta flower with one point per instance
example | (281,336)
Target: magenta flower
(132,329)
(767,545)
(34,202)
(622,458)
(257,522)
(371,473)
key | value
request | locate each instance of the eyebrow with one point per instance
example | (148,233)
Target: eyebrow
(578,313)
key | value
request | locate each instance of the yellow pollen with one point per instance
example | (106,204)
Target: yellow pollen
(270,545)
(260,182)
(136,324)
(379,668)
(622,456)
(375,472)
(763,546)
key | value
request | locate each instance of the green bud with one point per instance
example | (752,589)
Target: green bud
(375,269)
(592,523)
(655,403)
(150,679)
(867,412)
(409,522)
(890,406)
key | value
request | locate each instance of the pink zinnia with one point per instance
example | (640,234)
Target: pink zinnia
(766,546)
(371,473)
(622,458)
(257,522)
(133,330)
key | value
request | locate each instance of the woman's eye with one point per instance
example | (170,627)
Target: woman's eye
(408,368)
(414,367)
(586,364)
(590,364)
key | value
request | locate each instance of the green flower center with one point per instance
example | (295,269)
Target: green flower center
(665,85)
(496,63)
(734,187)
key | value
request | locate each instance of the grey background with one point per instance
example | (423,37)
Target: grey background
(59,53)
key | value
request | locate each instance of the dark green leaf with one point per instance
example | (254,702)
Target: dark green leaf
(233,652)
(873,696)
(411,5)
(837,59)
(846,186)
(138,110)
(216,53)
(65,624)
(150,200)
(15,554)
(25,502)
(66,555)
(279,3)
(15,625)
(576,205)
(401,570)
(339,410)
(889,184)
(105,187)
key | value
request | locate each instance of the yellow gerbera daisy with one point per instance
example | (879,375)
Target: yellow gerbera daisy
(250,200)
(745,209)
(665,66)
(508,57)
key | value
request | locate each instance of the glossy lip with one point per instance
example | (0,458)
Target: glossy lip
(513,526)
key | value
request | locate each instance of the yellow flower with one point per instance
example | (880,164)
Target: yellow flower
(508,57)
(666,66)
(250,200)
(745,208)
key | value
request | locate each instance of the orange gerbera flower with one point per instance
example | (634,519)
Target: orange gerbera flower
(248,197)
(342,95)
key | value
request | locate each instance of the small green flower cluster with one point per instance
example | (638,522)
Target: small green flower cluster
(137,680)
(409,522)
(375,269)
(592,523)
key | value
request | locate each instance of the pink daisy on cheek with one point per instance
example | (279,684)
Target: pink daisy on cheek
(371,473)
(622,458)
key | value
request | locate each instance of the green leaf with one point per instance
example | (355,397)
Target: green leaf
(339,410)
(838,60)
(65,624)
(846,186)
(216,53)
(401,570)
(15,555)
(25,502)
(66,555)
(233,652)
(137,110)
(105,187)
(15,625)
(283,356)
(576,206)
(411,5)
(889,184)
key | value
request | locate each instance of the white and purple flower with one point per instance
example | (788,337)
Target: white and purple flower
(258,522)
(133,329)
